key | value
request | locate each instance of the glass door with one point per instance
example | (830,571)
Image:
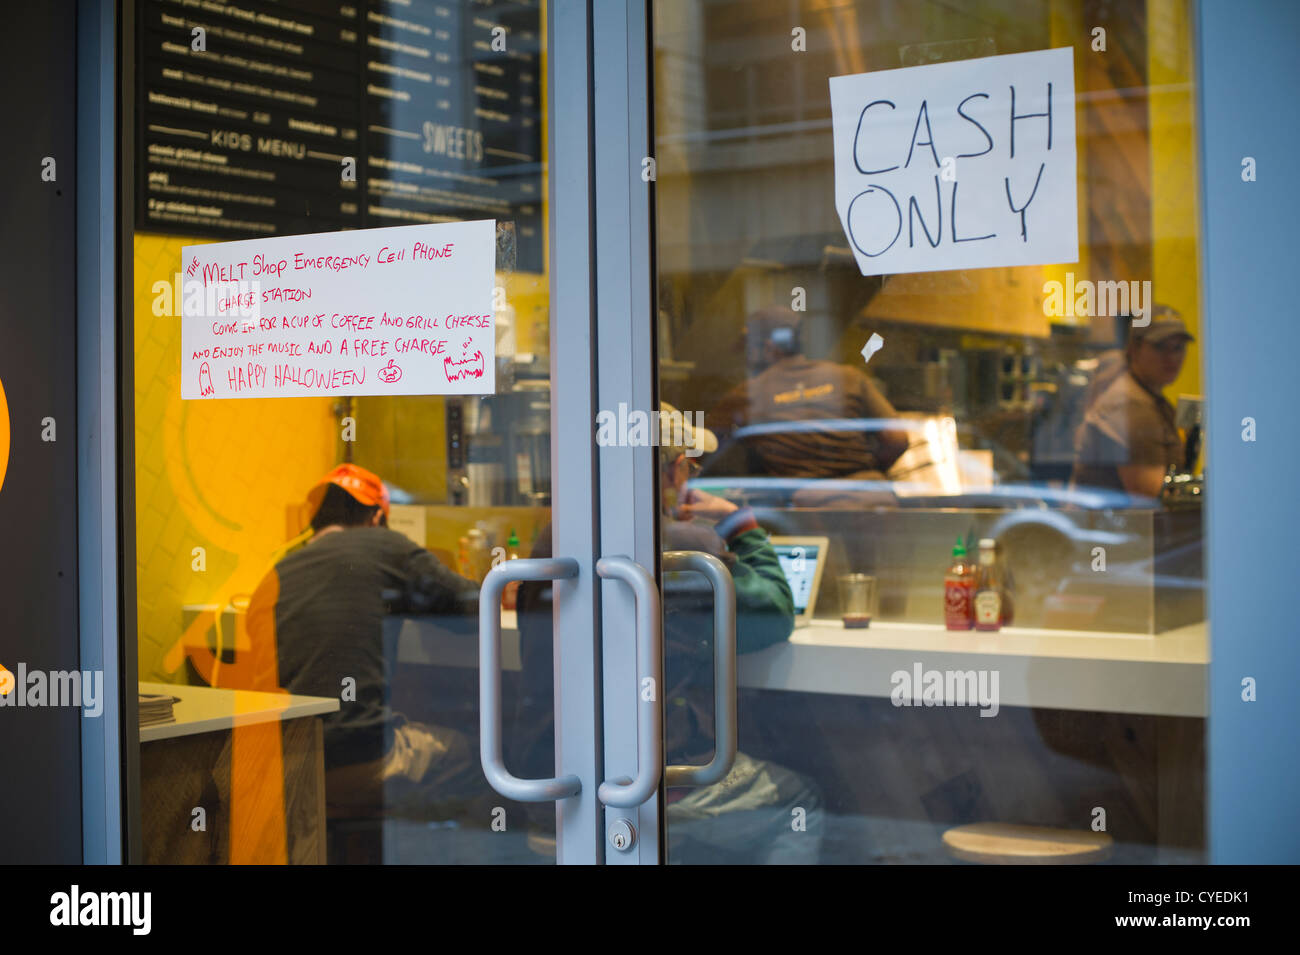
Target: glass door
(924,336)
(837,494)
(349,584)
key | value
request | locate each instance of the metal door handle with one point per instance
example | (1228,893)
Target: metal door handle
(624,792)
(489,680)
(724,668)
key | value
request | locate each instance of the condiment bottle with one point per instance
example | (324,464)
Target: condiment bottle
(511,593)
(988,588)
(1008,581)
(478,554)
(462,559)
(959,591)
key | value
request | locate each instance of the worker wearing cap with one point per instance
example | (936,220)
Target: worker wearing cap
(322,608)
(802,396)
(1128,439)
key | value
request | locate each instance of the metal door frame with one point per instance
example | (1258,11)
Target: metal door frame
(105,458)
(627,375)
(107,69)
(599,131)
(575,497)
(622,61)
(1251,783)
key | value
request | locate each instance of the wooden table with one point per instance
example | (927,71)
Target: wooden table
(252,762)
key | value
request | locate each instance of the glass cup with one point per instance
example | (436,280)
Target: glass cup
(857,600)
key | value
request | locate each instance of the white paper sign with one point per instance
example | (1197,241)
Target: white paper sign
(958,165)
(395,311)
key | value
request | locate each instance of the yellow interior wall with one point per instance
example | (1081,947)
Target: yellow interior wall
(404,440)
(1174,179)
(210,474)
(1006,300)
(1065,18)
(444,526)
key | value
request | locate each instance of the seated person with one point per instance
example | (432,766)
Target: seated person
(747,816)
(786,388)
(317,620)
(1128,439)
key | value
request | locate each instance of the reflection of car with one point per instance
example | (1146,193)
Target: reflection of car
(945,465)
(1174,569)
(1048,532)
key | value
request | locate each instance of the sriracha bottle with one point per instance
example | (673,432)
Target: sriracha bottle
(959,591)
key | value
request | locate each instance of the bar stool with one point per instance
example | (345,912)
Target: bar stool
(1000,843)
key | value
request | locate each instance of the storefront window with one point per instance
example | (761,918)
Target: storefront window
(317,118)
(1051,410)
(962,463)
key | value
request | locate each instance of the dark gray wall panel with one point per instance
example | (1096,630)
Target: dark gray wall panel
(40,762)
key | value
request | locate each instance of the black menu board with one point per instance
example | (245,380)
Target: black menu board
(304,116)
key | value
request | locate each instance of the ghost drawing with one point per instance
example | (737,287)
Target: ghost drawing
(205,380)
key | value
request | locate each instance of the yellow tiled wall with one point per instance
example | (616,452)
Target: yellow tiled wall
(1175,185)
(210,474)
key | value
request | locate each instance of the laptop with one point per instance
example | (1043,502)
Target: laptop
(802,561)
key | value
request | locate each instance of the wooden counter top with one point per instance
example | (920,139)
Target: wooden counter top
(204,709)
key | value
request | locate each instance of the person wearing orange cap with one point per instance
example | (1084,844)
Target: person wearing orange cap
(323,609)
(349,489)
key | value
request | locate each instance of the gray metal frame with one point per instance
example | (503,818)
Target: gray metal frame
(625,355)
(598,65)
(623,791)
(489,681)
(725,715)
(111,804)
(1248,347)
(575,492)
(102,745)
(124,226)
(599,69)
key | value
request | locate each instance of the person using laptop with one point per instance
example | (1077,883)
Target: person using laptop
(747,816)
